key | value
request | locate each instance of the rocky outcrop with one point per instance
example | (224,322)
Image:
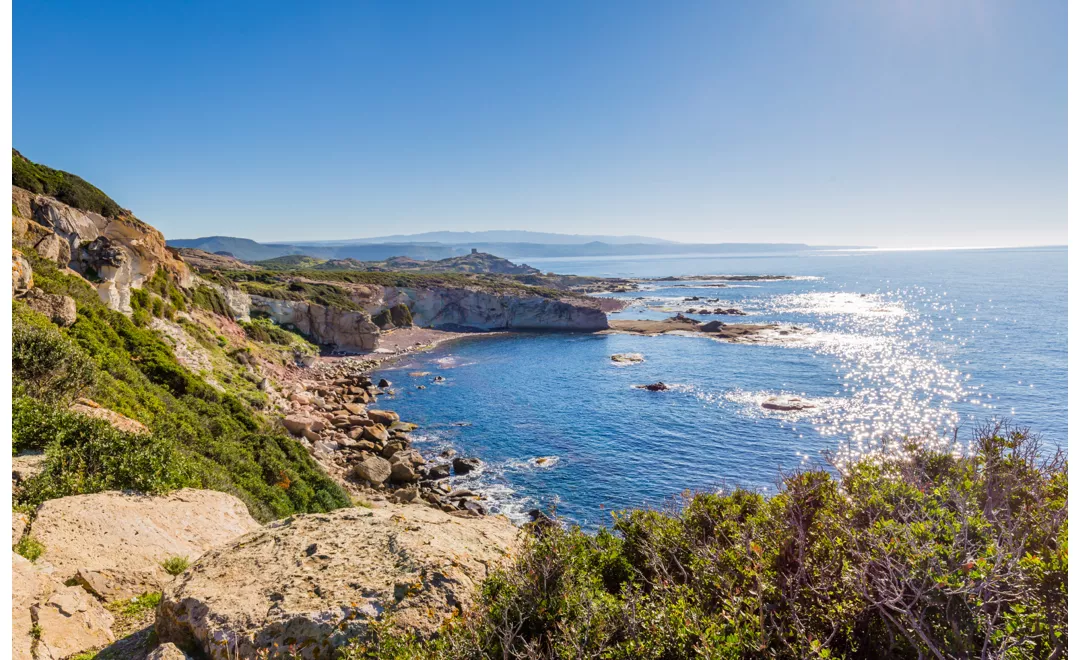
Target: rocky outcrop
(59,309)
(239,301)
(442,307)
(116,420)
(22,275)
(51,620)
(312,581)
(338,329)
(787,403)
(114,254)
(113,544)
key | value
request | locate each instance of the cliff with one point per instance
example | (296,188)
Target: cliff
(114,254)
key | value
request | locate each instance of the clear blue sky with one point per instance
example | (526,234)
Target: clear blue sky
(892,123)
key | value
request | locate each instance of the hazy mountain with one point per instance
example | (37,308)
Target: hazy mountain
(497,236)
(249,250)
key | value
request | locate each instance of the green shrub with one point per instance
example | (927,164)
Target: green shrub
(67,188)
(401,315)
(29,547)
(87,455)
(44,363)
(926,556)
(175,565)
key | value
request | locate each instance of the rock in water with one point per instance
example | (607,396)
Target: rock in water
(465,465)
(628,358)
(786,403)
(266,591)
(653,387)
(113,543)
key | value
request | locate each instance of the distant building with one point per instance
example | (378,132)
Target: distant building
(474,251)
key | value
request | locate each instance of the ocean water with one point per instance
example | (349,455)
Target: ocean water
(923,344)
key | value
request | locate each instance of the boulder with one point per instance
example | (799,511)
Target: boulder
(373,469)
(437,472)
(402,472)
(114,543)
(466,465)
(315,580)
(356,408)
(19,523)
(54,248)
(59,309)
(167,651)
(296,424)
(68,619)
(384,417)
(627,358)
(376,433)
(71,621)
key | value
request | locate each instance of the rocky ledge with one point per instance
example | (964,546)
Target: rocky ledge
(733,332)
(310,582)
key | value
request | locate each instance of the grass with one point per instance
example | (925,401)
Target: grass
(135,607)
(175,565)
(29,548)
(923,556)
(285,284)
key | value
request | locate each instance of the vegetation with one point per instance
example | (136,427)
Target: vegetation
(306,284)
(175,565)
(29,548)
(68,188)
(200,435)
(929,557)
(136,606)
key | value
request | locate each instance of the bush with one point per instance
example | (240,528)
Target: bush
(926,556)
(211,300)
(87,455)
(175,565)
(44,363)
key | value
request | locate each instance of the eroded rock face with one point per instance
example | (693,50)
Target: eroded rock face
(486,310)
(114,254)
(114,543)
(339,329)
(315,580)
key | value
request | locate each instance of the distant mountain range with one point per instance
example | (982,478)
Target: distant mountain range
(416,246)
(497,236)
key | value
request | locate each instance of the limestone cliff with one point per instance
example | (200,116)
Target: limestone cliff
(492,310)
(114,254)
(339,329)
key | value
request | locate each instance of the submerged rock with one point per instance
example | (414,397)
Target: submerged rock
(787,403)
(654,387)
(314,580)
(628,358)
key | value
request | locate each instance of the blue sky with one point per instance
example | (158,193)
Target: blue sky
(891,123)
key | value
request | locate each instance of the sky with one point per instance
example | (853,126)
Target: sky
(888,123)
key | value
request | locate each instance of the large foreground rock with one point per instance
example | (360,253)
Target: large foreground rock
(114,543)
(317,579)
(68,620)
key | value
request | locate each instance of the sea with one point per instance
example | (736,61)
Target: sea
(910,345)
